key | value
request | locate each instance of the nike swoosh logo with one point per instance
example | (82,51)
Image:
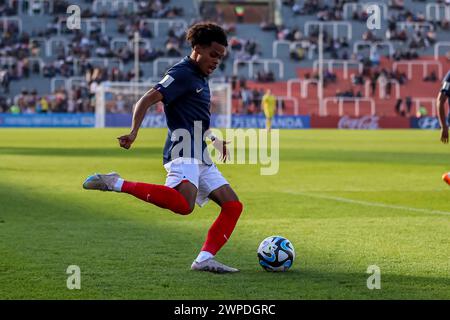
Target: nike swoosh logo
(199,90)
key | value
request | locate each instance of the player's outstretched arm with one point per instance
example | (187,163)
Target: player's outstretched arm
(441,99)
(148,99)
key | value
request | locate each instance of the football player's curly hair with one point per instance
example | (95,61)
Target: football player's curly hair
(204,33)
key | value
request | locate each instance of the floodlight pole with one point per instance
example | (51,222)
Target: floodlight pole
(136,56)
(320,85)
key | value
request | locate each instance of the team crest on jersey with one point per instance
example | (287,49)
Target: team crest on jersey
(166,81)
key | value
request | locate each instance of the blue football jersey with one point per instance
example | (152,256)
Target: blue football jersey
(446,85)
(186,98)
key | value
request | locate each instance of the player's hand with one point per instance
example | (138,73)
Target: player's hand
(127,140)
(444,135)
(221,146)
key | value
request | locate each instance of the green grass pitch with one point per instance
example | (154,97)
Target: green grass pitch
(346,200)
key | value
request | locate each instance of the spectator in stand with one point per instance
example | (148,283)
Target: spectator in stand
(265,76)
(239,11)
(329,77)
(408,102)
(396,4)
(421,112)
(388,89)
(42,105)
(242,82)
(432,77)
(257,96)
(20,99)
(373,84)
(297,53)
(357,79)
(4,79)
(14,109)
(247,97)
(3,104)
(296,9)
(370,36)
(398,107)
(375,58)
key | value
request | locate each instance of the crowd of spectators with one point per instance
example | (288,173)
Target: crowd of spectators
(59,101)
(19,50)
(23,54)
(416,37)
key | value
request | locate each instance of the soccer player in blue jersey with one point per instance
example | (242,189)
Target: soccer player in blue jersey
(192,176)
(443,96)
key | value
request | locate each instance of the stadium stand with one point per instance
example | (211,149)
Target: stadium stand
(45,67)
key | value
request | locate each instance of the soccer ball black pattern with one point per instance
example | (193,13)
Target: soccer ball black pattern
(276,253)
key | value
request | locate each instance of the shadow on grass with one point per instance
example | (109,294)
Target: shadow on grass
(127,249)
(82,152)
(341,156)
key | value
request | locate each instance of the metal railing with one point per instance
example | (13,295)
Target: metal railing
(89,24)
(437,8)
(345,63)
(11,61)
(417,25)
(290,99)
(264,62)
(5,20)
(373,46)
(115,5)
(49,45)
(382,87)
(424,64)
(168,61)
(341,100)
(104,62)
(129,43)
(304,85)
(418,102)
(31,7)
(355,6)
(438,45)
(334,24)
(292,45)
(156,24)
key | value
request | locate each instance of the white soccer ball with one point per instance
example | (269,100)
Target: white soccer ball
(276,253)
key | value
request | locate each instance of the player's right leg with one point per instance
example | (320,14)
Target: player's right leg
(179,199)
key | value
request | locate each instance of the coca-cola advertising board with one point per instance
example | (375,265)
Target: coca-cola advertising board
(362,123)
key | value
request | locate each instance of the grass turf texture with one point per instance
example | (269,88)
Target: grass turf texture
(127,248)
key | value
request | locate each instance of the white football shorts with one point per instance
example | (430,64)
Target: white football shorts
(205,178)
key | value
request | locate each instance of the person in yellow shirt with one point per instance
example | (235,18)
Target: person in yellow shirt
(269,103)
(44,104)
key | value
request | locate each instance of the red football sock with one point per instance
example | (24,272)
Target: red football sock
(221,230)
(162,196)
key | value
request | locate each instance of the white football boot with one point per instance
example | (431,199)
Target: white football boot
(212,265)
(102,182)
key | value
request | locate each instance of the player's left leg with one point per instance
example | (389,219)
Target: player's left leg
(214,186)
(221,230)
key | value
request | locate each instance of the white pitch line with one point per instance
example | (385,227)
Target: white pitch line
(370,204)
